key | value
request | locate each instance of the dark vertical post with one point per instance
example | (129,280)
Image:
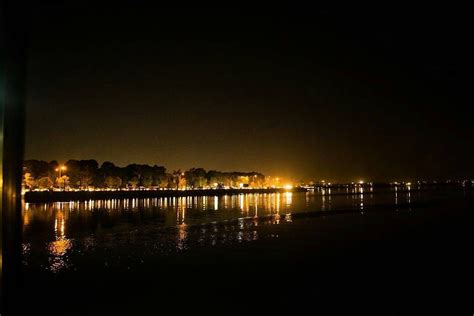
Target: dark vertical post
(12,103)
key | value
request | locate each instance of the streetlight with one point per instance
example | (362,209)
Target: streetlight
(59,169)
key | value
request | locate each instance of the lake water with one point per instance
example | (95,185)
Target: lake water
(64,236)
(250,252)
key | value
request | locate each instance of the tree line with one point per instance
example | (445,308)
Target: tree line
(85,174)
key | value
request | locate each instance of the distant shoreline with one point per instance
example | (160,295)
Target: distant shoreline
(66,196)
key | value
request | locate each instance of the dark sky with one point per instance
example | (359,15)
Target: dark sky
(328,93)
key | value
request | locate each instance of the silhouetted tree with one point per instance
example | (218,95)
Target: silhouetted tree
(167,181)
(113,182)
(158,175)
(178,179)
(28,181)
(45,183)
(38,168)
(133,182)
(62,182)
(83,173)
(195,177)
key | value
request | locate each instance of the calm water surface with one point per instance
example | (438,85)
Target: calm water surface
(62,236)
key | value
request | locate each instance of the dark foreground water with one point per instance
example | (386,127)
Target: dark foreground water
(257,252)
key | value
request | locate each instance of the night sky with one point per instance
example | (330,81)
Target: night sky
(339,94)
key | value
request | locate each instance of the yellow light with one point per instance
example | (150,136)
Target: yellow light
(288,187)
(361,182)
(60,247)
(63,168)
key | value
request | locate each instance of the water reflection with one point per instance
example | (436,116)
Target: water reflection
(396,195)
(180,221)
(60,246)
(409,199)
(69,229)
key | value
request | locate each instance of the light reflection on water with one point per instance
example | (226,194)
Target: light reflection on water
(56,233)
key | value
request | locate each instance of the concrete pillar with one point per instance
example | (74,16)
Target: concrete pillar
(12,104)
